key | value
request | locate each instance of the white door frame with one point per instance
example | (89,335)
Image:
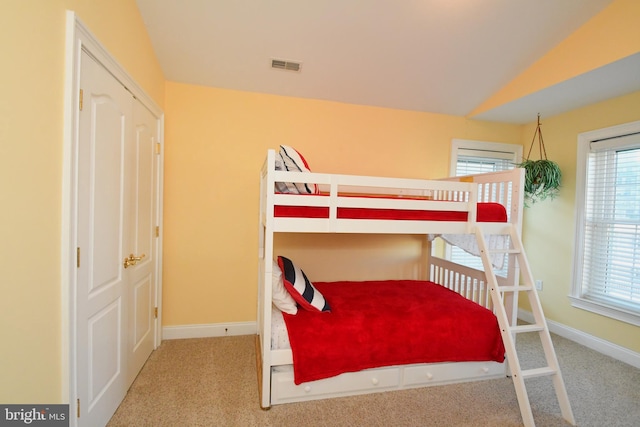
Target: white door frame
(78,38)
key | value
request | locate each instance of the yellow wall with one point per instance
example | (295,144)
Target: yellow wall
(611,35)
(548,227)
(216,141)
(32,42)
(548,232)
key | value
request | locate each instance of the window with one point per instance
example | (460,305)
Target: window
(473,157)
(607,256)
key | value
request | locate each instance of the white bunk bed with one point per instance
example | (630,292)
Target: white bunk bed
(460,194)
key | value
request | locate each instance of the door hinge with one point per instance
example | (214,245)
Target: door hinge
(78,257)
(78,406)
(81,98)
(157,148)
(157,231)
(155,312)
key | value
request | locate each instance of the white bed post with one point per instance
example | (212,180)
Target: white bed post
(515,218)
(265,262)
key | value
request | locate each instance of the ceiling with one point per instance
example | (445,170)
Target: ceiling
(438,56)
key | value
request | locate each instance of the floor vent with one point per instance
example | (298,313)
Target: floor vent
(281,64)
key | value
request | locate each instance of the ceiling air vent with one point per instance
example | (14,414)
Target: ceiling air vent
(281,64)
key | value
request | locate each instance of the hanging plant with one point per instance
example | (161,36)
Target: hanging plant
(541,180)
(542,177)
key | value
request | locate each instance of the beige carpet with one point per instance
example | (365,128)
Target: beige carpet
(212,382)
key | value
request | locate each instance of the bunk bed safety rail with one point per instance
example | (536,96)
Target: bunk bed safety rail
(468,282)
(340,191)
(504,187)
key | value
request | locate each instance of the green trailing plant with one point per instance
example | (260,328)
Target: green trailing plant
(541,180)
(542,177)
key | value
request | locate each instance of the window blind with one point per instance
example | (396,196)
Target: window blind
(480,161)
(611,268)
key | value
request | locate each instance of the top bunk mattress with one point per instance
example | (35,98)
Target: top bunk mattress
(486,212)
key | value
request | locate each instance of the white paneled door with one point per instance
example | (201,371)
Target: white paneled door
(143,217)
(117,214)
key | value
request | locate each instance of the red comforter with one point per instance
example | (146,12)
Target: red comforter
(382,323)
(486,212)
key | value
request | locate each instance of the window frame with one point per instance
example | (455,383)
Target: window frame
(576,296)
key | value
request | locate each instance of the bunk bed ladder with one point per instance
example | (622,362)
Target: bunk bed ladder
(509,330)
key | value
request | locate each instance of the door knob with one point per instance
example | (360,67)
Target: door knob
(132,260)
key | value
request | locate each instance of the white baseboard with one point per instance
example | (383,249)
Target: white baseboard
(210,330)
(605,347)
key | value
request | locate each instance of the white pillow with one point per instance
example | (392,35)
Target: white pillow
(280,296)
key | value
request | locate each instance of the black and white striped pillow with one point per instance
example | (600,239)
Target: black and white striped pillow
(300,288)
(289,159)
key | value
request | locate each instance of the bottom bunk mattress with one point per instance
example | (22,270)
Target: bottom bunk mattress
(384,323)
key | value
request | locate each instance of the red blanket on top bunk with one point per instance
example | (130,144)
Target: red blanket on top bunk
(486,212)
(383,323)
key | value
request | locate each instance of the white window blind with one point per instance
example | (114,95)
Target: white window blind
(611,239)
(480,161)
